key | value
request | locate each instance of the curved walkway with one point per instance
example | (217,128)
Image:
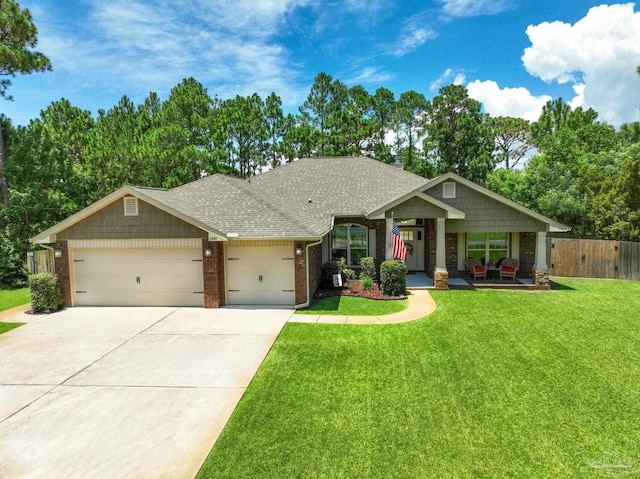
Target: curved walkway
(421,304)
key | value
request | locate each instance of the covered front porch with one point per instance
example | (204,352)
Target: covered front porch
(420,281)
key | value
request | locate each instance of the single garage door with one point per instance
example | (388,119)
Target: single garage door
(260,275)
(138,277)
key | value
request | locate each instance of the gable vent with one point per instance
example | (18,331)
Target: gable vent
(449,190)
(130,206)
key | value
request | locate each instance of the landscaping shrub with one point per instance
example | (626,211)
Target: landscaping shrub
(366,283)
(335,266)
(348,274)
(370,267)
(45,293)
(393,278)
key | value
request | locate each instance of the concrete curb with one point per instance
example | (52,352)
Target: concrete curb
(421,304)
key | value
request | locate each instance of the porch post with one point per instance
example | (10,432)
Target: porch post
(441,275)
(540,267)
(388,245)
(541,251)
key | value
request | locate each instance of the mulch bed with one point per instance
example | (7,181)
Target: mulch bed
(356,291)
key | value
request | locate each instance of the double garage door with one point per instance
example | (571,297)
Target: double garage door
(255,274)
(138,277)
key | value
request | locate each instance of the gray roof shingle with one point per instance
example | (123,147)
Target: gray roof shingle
(339,186)
(232,205)
(294,200)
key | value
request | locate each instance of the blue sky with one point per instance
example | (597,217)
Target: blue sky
(513,55)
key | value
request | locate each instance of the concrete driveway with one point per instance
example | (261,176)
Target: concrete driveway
(125,392)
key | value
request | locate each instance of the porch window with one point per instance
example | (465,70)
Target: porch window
(488,247)
(349,241)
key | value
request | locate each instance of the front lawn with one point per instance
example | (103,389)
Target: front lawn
(353,306)
(10,298)
(492,384)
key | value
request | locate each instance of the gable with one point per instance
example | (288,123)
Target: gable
(111,222)
(415,207)
(483,213)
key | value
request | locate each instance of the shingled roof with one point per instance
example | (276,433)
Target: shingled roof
(295,200)
(338,186)
(232,205)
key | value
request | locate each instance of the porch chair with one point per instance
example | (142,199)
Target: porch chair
(509,268)
(476,269)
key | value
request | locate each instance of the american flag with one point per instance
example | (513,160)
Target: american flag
(399,249)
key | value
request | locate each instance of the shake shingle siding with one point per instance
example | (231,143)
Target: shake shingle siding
(484,214)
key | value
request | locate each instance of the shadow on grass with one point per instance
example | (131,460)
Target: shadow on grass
(560,287)
(332,303)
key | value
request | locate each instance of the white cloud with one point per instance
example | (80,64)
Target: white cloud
(136,46)
(369,75)
(598,54)
(515,102)
(416,32)
(447,78)
(472,8)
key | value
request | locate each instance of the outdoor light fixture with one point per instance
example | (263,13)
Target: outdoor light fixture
(298,250)
(207,251)
(57,252)
(30,253)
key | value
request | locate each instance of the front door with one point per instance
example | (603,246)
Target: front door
(414,241)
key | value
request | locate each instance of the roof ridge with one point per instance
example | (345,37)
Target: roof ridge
(267,198)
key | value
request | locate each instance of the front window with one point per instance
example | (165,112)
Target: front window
(488,247)
(349,242)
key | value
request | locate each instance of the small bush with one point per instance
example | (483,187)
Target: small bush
(393,278)
(335,266)
(349,274)
(370,267)
(45,293)
(366,283)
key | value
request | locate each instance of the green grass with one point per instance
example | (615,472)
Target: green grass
(493,384)
(4,327)
(352,306)
(10,298)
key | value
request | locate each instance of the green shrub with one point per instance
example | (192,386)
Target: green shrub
(370,267)
(45,293)
(335,266)
(393,278)
(366,283)
(348,274)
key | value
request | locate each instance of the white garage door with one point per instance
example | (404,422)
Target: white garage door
(260,275)
(138,277)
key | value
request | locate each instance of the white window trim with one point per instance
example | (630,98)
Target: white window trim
(486,246)
(128,209)
(449,189)
(348,258)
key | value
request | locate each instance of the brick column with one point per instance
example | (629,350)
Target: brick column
(213,273)
(62,271)
(300,274)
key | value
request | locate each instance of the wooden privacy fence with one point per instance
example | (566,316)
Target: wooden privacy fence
(587,258)
(41,262)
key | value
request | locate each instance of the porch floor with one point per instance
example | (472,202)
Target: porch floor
(420,280)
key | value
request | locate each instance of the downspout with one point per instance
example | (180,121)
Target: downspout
(306,304)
